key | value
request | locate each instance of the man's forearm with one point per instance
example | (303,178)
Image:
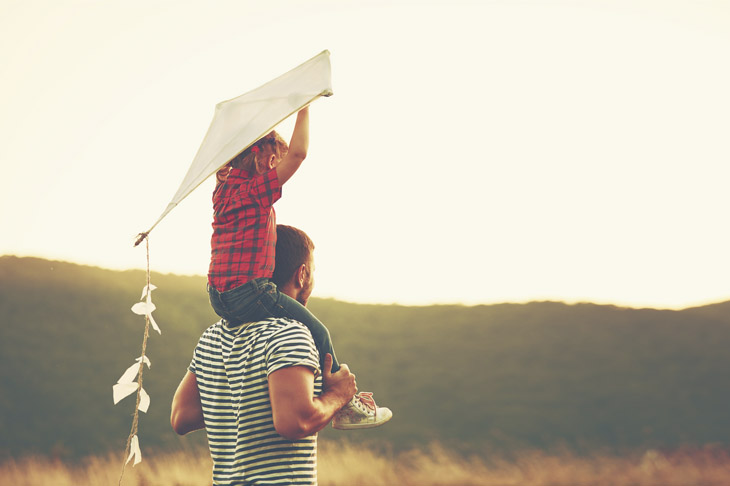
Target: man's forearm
(296,411)
(325,407)
(186,424)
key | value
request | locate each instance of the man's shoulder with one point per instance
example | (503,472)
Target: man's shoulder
(272,329)
(284,322)
(213,330)
(285,328)
(290,343)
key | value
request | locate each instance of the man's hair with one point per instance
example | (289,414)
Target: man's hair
(293,248)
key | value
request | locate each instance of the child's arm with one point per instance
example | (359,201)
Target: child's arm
(222,174)
(297,148)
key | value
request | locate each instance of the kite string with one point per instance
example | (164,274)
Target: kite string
(135,420)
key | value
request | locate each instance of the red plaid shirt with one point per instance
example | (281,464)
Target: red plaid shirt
(244,229)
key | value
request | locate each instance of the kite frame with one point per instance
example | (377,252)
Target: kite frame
(325,93)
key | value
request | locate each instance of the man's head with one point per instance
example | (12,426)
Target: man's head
(294,269)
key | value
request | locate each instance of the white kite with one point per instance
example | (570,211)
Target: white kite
(241,121)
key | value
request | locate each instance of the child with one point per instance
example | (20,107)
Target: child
(243,248)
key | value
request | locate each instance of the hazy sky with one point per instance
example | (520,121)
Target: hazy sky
(473,152)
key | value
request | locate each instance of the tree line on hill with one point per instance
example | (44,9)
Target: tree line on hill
(506,376)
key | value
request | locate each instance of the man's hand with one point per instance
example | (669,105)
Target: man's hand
(342,383)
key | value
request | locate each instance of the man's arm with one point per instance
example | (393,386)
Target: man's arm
(187,412)
(298,147)
(297,412)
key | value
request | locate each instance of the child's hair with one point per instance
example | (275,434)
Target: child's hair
(253,158)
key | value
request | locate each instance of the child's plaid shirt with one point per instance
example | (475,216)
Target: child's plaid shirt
(244,228)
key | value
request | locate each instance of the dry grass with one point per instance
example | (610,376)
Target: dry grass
(351,465)
(175,469)
(438,467)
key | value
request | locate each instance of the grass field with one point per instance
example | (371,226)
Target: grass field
(351,465)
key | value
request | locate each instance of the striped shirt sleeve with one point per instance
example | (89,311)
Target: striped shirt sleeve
(292,345)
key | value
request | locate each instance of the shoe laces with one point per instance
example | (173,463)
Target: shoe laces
(366,398)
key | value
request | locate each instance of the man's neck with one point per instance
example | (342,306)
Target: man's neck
(290,290)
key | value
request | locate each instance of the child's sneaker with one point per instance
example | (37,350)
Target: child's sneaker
(361,413)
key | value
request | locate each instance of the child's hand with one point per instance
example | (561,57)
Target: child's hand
(222,173)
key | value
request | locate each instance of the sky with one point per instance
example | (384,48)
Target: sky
(473,152)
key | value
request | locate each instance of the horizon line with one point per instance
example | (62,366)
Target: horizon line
(468,303)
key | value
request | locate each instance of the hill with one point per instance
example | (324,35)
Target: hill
(499,376)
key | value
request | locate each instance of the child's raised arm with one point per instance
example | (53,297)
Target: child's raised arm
(297,148)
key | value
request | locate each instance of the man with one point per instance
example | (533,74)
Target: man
(261,385)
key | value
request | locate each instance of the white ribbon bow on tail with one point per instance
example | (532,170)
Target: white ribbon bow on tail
(134,451)
(126,385)
(147,307)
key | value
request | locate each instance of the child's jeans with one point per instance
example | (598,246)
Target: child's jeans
(260,299)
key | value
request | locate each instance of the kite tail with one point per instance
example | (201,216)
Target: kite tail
(135,420)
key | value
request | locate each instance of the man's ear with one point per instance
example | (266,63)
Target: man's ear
(301,275)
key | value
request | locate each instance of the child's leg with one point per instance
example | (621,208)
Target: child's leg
(260,299)
(281,305)
(243,303)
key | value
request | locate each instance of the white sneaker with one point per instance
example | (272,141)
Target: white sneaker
(361,413)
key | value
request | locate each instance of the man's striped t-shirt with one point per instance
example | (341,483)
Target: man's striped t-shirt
(231,366)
